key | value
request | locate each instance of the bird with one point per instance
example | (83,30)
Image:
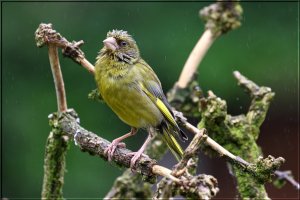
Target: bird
(130,87)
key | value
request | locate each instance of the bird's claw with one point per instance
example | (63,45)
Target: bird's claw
(109,151)
(136,156)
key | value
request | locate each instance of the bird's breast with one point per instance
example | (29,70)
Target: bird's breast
(124,96)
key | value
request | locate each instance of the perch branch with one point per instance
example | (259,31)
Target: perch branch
(128,185)
(68,123)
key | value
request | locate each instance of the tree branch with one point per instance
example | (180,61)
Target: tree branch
(129,185)
(238,134)
(220,18)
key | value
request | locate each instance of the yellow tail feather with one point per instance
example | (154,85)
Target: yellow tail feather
(173,145)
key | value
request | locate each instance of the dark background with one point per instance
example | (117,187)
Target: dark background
(264,49)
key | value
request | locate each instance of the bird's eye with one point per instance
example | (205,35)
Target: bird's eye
(123,43)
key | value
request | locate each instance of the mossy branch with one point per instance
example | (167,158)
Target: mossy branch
(238,134)
(54,165)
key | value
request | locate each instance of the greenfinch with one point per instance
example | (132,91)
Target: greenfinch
(133,91)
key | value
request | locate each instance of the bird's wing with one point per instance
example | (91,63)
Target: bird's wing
(152,88)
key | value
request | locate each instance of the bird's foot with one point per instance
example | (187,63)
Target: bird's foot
(136,156)
(109,151)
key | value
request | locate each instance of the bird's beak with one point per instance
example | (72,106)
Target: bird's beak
(111,43)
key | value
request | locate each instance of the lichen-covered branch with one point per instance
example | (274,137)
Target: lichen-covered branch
(129,186)
(222,17)
(54,164)
(238,134)
(261,99)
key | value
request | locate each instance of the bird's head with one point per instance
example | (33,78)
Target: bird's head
(121,46)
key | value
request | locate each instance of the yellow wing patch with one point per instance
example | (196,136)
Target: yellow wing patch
(161,106)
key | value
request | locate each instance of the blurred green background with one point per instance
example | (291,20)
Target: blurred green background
(265,49)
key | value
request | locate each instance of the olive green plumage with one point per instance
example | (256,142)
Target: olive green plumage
(132,90)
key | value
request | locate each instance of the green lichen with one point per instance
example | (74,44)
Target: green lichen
(95,95)
(235,135)
(238,134)
(54,164)
(45,33)
(130,186)
(186,99)
(222,16)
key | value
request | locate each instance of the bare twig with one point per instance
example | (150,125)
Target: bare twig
(287,176)
(194,59)
(58,79)
(215,146)
(165,172)
(220,18)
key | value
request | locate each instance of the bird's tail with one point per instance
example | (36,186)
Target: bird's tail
(170,140)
